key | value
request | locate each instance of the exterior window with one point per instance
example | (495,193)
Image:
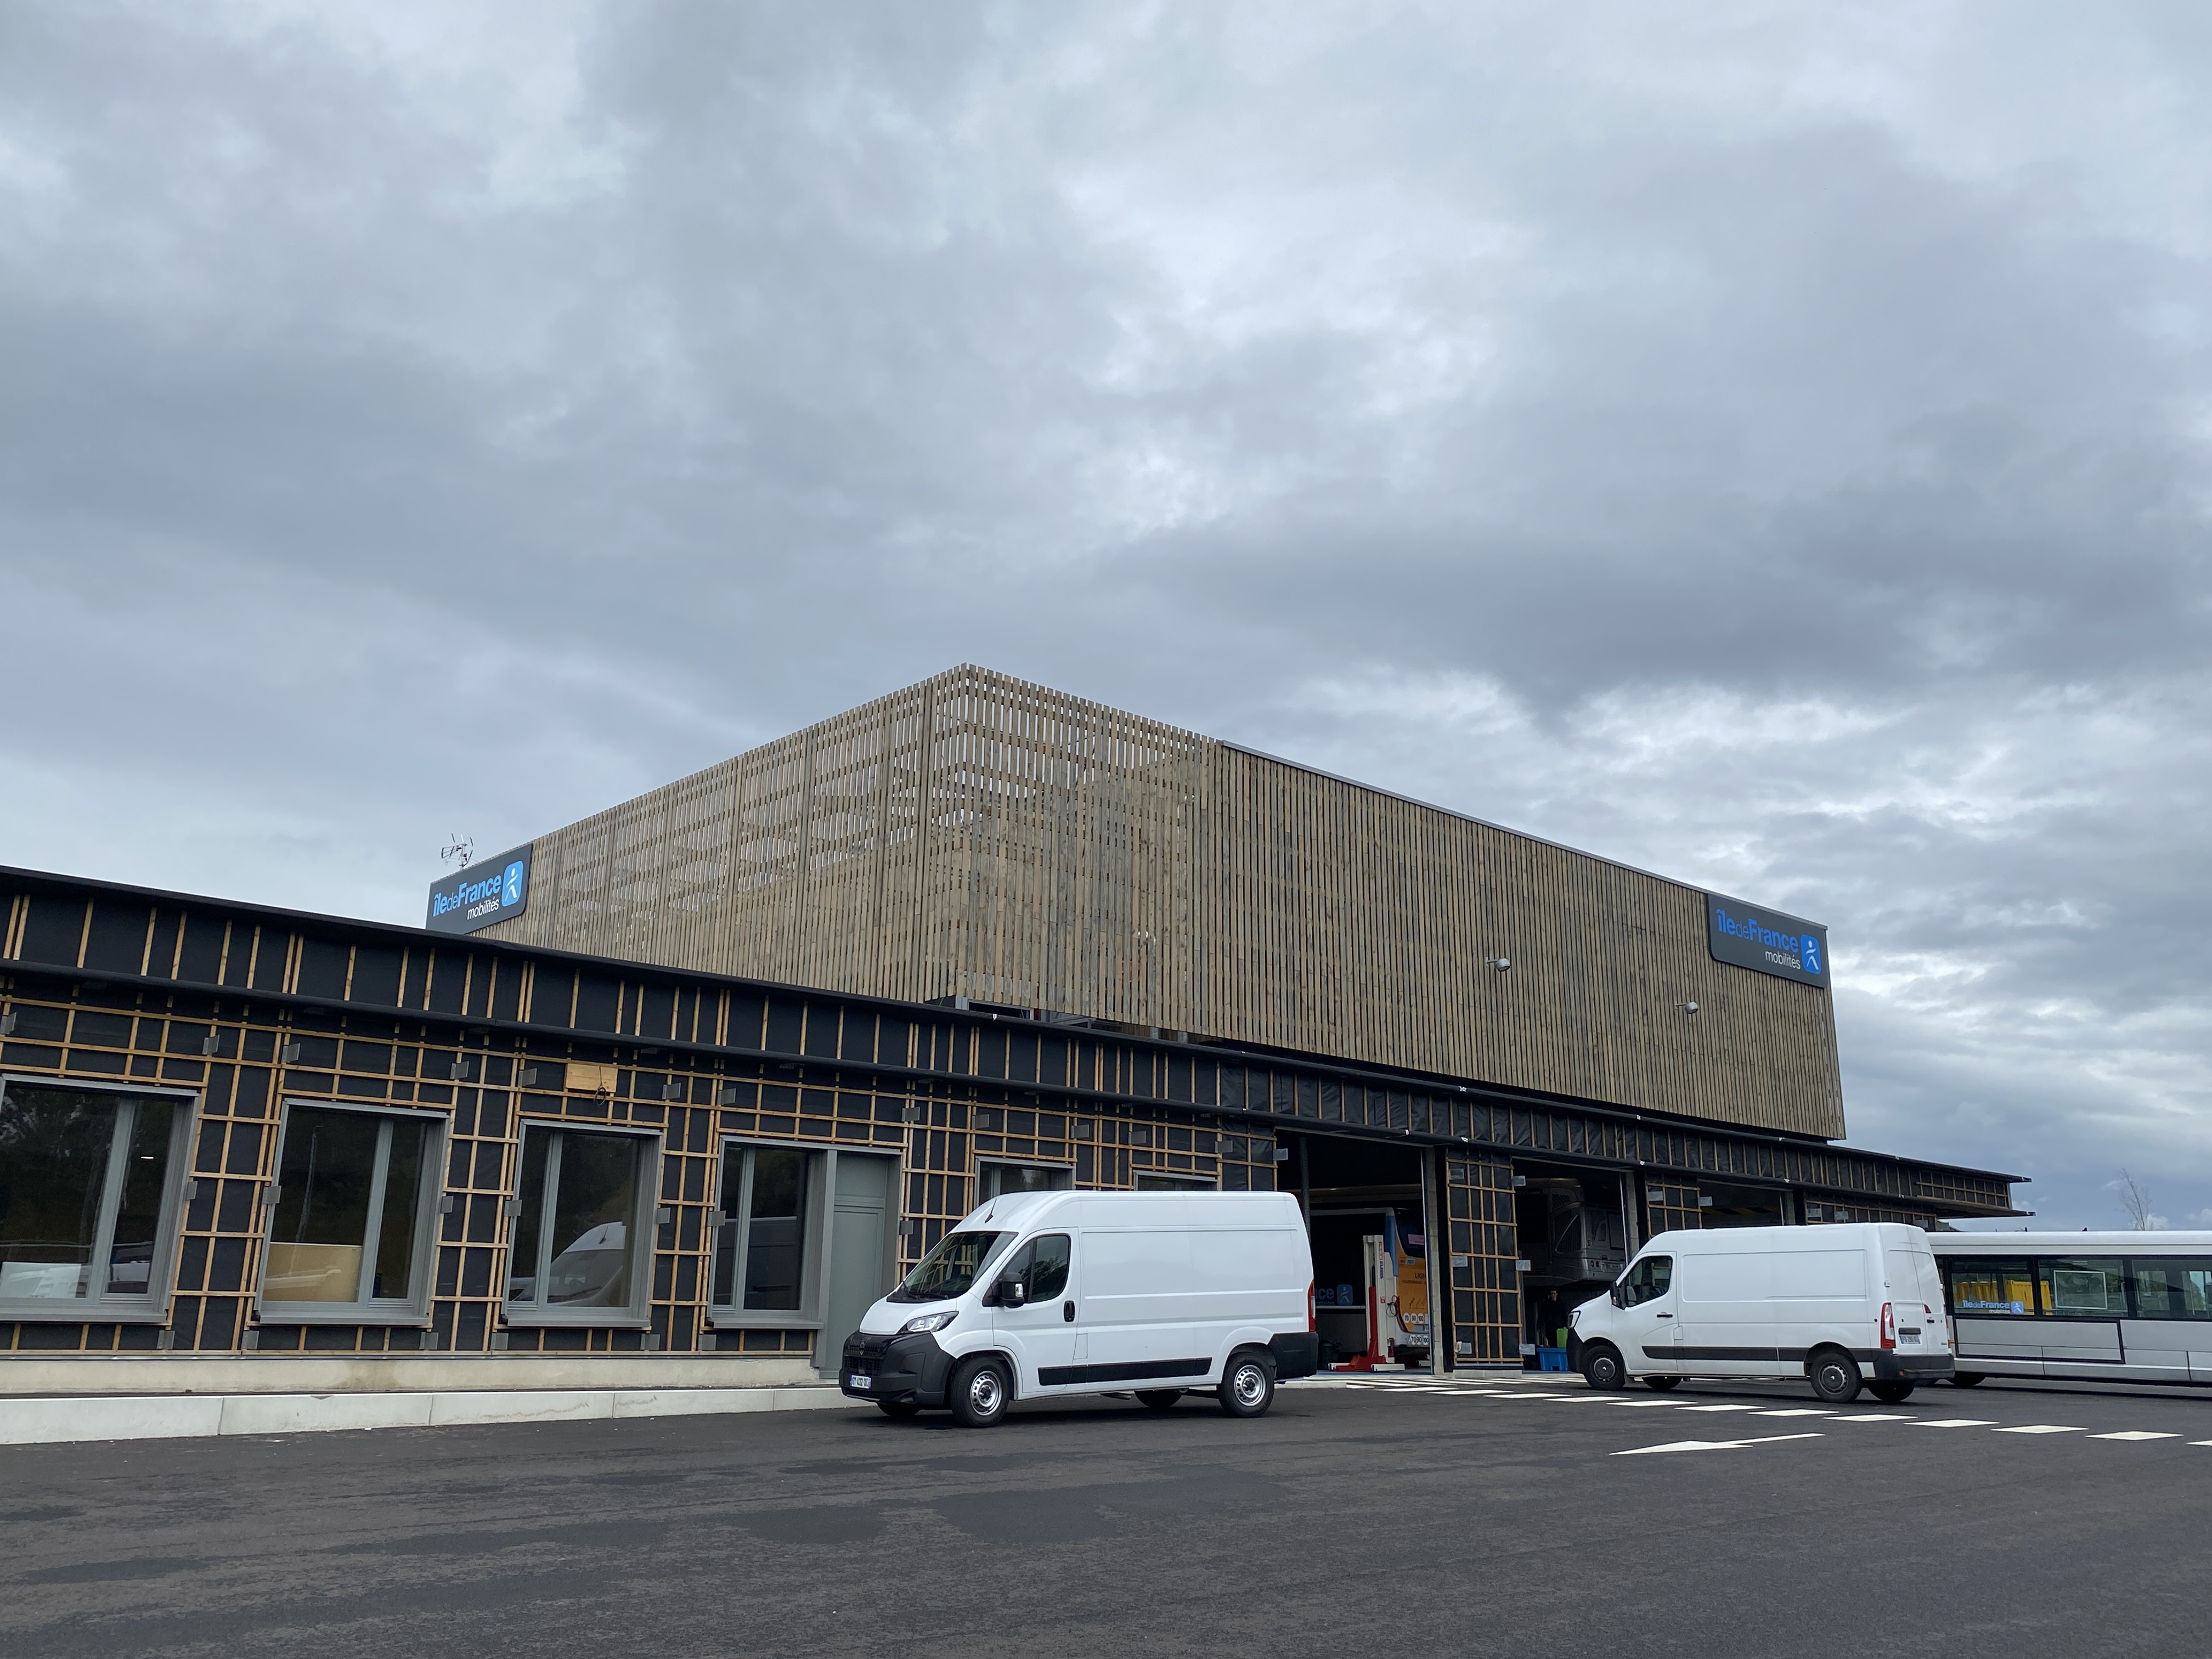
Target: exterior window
(349,1234)
(2171,1288)
(2085,1289)
(91,1179)
(766,1249)
(1987,1289)
(581,1231)
(1041,1268)
(1648,1280)
(1173,1183)
(997,1180)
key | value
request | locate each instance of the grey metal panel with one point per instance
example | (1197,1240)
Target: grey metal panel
(2156,1349)
(2077,1339)
(1999,1339)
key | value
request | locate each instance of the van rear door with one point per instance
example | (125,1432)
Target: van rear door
(1915,1293)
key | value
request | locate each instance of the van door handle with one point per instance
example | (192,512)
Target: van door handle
(1067,1311)
(1666,1315)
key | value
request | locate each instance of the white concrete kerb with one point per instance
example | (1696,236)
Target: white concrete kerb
(176,1417)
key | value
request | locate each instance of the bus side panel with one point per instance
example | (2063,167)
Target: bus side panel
(2154,1350)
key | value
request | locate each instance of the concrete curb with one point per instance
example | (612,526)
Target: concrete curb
(178,1417)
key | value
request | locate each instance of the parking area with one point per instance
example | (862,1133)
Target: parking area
(1516,1516)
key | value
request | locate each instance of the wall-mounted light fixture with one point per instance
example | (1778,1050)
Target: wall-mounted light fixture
(1689,1007)
(1501,963)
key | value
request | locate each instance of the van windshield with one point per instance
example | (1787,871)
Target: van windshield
(952,1269)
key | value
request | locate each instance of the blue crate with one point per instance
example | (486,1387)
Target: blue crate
(1551,1360)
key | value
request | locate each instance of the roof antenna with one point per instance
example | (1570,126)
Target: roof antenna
(457,852)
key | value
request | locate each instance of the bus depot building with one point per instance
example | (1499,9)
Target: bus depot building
(667,1099)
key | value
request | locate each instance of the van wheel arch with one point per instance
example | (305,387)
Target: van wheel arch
(1834,1375)
(1603,1367)
(1240,1395)
(974,1404)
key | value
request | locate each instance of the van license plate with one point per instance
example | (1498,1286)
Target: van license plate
(857,1382)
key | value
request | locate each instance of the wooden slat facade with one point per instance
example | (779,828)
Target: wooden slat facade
(251,1011)
(976,836)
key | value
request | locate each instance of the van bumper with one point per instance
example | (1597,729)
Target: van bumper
(1297,1353)
(1911,1367)
(904,1370)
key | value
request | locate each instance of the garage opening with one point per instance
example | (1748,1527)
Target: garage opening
(1370,1220)
(1574,1238)
(1743,1206)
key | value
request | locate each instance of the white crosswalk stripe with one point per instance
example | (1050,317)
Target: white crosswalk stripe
(1712,1445)
(1549,1391)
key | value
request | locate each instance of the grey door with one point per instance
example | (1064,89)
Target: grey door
(859,1238)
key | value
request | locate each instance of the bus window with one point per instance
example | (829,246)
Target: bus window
(2172,1288)
(2083,1287)
(1991,1287)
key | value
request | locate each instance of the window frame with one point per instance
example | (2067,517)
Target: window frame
(983,1163)
(1628,1273)
(1172,1181)
(2188,1264)
(643,1224)
(106,1308)
(413,1311)
(2023,1266)
(821,1187)
(2046,1300)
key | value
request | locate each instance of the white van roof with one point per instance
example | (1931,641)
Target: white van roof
(1195,1207)
(1744,1240)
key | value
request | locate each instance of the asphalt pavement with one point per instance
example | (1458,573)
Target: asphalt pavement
(1529,1517)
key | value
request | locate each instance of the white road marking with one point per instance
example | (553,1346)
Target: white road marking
(1799,1411)
(1876,1417)
(1720,1409)
(2201,1442)
(1958,1422)
(1712,1445)
(2135,1434)
(2040,1428)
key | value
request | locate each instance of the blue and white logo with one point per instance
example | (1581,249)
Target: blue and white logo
(495,891)
(1766,940)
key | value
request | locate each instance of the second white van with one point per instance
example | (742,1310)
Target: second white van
(1843,1307)
(1034,1295)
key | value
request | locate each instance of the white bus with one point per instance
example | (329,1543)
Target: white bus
(2086,1307)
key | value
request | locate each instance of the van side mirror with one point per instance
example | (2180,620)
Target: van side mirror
(1012,1293)
(1617,1296)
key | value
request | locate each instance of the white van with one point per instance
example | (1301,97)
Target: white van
(1038,1295)
(1831,1304)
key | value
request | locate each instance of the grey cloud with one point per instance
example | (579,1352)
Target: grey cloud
(1764,449)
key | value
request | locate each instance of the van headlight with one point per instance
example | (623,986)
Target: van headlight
(936,1321)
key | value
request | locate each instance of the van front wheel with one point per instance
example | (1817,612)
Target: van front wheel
(1661,1383)
(1601,1367)
(1834,1376)
(1890,1394)
(1248,1387)
(1157,1400)
(980,1393)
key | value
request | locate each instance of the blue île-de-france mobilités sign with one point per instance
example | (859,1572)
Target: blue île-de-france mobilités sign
(492,890)
(1767,941)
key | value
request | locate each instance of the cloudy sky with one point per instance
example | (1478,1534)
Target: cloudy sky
(1769,453)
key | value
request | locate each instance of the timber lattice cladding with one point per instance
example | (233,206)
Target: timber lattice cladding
(977,836)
